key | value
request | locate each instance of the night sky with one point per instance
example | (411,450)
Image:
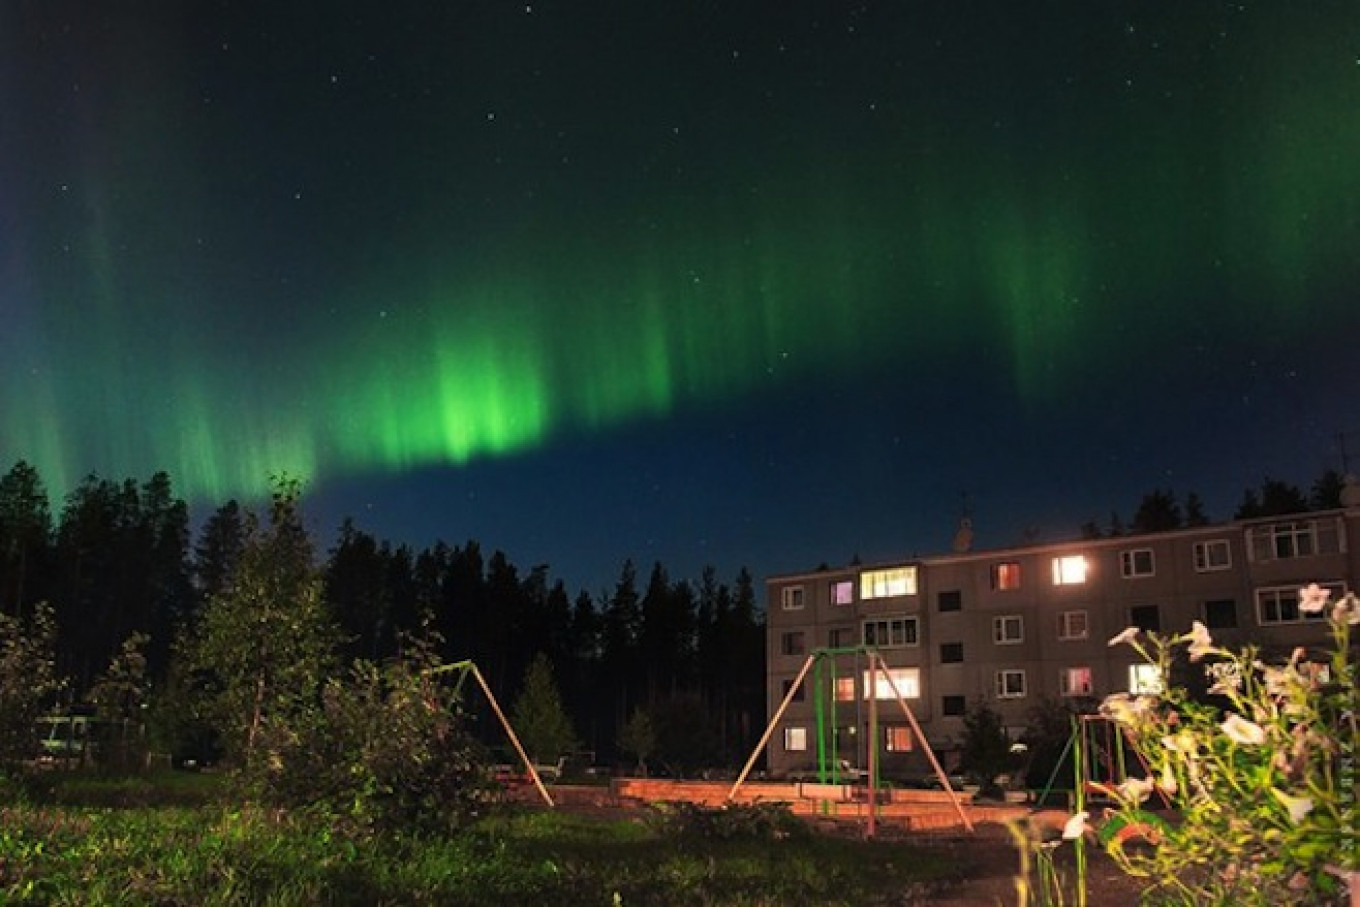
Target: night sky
(730,283)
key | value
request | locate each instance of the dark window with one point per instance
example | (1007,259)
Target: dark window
(797,694)
(792,643)
(954,705)
(951,600)
(951,652)
(1146,617)
(1220,614)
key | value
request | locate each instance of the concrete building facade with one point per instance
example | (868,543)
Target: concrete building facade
(1019,625)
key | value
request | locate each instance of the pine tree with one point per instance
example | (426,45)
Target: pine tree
(538,716)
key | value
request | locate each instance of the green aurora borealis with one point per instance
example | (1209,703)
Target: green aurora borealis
(371,273)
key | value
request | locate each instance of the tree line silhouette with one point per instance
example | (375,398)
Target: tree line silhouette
(120,558)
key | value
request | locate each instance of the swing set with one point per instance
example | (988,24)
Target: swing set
(836,782)
(1102,755)
(467,668)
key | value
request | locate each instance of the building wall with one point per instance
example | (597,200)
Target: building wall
(970,616)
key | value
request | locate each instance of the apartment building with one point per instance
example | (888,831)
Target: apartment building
(1014,626)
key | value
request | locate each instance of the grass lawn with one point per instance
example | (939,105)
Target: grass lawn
(172,839)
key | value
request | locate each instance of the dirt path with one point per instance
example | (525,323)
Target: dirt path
(988,867)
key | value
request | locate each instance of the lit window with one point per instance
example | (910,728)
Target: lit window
(1008,629)
(1318,672)
(795,739)
(907,682)
(843,592)
(891,632)
(1075,682)
(1280,604)
(1223,675)
(897,738)
(1010,684)
(1073,625)
(791,643)
(1214,554)
(791,598)
(1136,562)
(1294,538)
(1145,678)
(1069,570)
(845,689)
(1006,577)
(887,583)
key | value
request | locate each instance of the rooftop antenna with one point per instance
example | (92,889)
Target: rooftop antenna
(963,536)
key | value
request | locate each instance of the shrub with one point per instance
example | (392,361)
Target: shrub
(749,821)
(387,750)
(1263,777)
(27,681)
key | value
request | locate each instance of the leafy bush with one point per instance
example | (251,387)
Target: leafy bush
(1264,778)
(27,681)
(752,821)
(387,749)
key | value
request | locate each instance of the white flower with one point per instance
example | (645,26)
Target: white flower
(1128,634)
(1168,782)
(1125,709)
(1076,826)
(1134,789)
(1183,742)
(1276,680)
(1201,643)
(1313,598)
(1243,732)
(1346,610)
(1298,806)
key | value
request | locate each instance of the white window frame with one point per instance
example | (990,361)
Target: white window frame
(1131,566)
(911,638)
(795,739)
(1005,689)
(792,598)
(1000,625)
(1290,539)
(847,586)
(1070,570)
(1285,600)
(1075,681)
(1068,621)
(907,681)
(1212,555)
(888,582)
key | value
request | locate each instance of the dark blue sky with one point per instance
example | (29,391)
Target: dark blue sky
(741,284)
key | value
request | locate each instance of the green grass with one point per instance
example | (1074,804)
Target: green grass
(81,846)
